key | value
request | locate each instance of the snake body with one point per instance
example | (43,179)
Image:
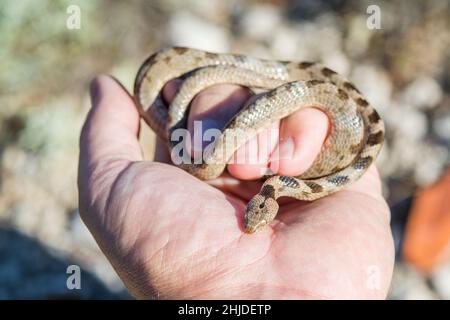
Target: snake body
(353,143)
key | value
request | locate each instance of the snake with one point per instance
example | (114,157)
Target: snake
(354,140)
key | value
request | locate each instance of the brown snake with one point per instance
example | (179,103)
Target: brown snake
(354,141)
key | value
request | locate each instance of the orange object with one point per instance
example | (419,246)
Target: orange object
(427,237)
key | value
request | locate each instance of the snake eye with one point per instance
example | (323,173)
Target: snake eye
(261,205)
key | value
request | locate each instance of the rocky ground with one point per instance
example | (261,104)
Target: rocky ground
(403,69)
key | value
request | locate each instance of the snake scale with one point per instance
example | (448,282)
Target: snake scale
(353,142)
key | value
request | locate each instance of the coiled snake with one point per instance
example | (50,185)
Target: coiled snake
(354,141)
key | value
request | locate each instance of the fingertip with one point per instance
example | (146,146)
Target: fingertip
(112,126)
(301,138)
(104,84)
(94,90)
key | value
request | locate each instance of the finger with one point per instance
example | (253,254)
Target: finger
(162,153)
(302,135)
(170,89)
(251,161)
(112,125)
(212,109)
(108,142)
(215,106)
(300,140)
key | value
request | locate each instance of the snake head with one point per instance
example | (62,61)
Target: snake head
(260,212)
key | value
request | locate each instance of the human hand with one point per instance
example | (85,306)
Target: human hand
(170,235)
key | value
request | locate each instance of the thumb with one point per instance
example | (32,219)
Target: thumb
(108,141)
(112,125)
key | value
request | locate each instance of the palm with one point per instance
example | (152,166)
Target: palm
(170,235)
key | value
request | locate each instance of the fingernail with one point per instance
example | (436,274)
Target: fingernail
(286,150)
(95,91)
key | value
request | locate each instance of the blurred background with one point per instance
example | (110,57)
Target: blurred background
(403,69)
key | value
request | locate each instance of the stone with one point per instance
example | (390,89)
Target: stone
(186,29)
(441,125)
(441,281)
(284,44)
(423,93)
(430,164)
(408,284)
(337,61)
(406,122)
(259,22)
(375,84)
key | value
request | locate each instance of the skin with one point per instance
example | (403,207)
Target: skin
(171,236)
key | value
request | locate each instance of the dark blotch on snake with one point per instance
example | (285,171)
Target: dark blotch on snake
(150,60)
(271,93)
(362,163)
(180,50)
(268,191)
(148,64)
(305,64)
(327,72)
(311,83)
(337,168)
(211,55)
(354,148)
(148,77)
(338,180)
(167,59)
(342,94)
(241,58)
(375,138)
(315,188)
(290,86)
(362,102)
(350,86)
(289,182)
(374,117)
